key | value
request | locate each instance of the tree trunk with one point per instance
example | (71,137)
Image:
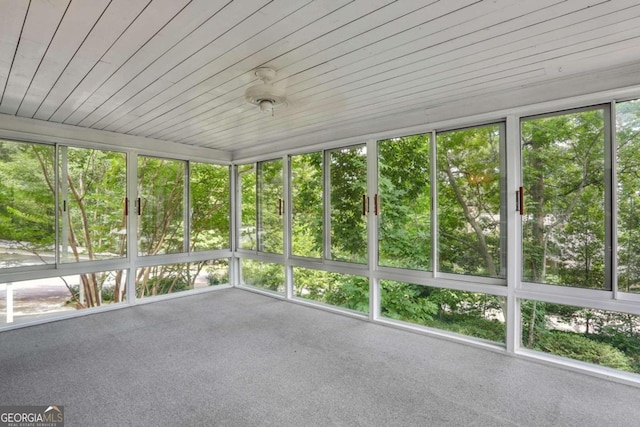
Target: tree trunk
(482,243)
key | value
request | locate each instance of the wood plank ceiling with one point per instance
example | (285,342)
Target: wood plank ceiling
(177,70)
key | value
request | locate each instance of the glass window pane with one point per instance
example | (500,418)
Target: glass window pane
(247,195)
(42,298)
(210,273)
(337,289)
(270,207)
(404,238)
(161,192)
(263,275)
(27,204)
(469,202)
(563,234)
(628,173)
(209,192)
(307,208)
(171,278)
(467,313)
(93,186)
(348,177)
(605,338)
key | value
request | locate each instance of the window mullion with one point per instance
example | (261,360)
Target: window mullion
(326,191)
(62,171)
(433,172)
(504,207)
(234,223)
(372,228)
(259,185)
(614,200)
(186,210)
(132,224)
(286,226)
(513,248)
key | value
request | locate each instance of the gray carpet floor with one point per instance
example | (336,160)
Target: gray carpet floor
(236,358)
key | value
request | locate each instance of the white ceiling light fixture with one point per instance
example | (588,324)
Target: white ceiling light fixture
(265,95)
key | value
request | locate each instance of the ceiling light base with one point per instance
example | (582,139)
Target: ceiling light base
(267,75)
(265,95)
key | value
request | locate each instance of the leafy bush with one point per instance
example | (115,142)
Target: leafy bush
(263,275)
(405,302)
(351,292)
(456,311)
(472,326)
(217,274)
(169,285)
(626,342)
(107,294)
(579,347)
(311,284)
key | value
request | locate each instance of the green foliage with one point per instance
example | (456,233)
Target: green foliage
(248,227)
(107,294)
(94,222)
(609,339)
(217,272)
(168,285)
(563,173)
(534,321)
(270,213)
(578,347)
(341,290)
(262,199)
(626,342)
(461,312)
(406,302)
(210,209)
(628,166)
(161,190)
(96,289)
(492,330)
(307,205)
(26,196)
(405,202)
(469,201)
(164,279)
(468,313)
(348,176)
(351,292)
(263,275)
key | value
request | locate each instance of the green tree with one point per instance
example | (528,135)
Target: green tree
(27,209)
(270,210)
(307,205)
(348,177)
(161,196)
(210,209)
(469,189)
(563,227)
(628,194)
(248,209)
(405,202)
(407,302)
